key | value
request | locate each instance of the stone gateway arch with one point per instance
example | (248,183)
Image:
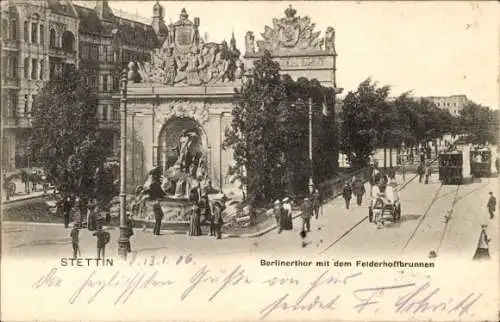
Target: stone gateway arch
(179,103)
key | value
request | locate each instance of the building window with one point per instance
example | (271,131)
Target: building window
(93,82)
(84,51)
(12,67)
(34,32)
(26,31)
(42,34)
(110,56)
(52,70)
(94,53)
(11,110)
(42,63)
(116,113)
(5,28)
(104,53)
(26,104)
(13,29)
(52,39)
(26,68)
(33,100)
(105,83)
(116,83)
(105,112)
(34,69)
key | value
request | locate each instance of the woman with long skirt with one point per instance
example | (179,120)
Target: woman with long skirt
(194,223)
(482,251)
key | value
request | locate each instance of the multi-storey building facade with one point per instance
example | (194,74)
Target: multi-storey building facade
(41,38)
(453,103)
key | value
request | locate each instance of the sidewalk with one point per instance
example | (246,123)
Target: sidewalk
(20,195)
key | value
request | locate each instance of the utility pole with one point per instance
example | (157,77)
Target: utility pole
(124,238)
(311,182)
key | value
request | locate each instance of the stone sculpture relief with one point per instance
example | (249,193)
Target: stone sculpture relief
(195,110)
(291,35)
(185,59)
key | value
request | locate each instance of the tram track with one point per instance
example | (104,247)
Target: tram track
(357,224)
(449,213)
(422,218)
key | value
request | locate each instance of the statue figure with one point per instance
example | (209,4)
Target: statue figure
(221,63)
(181,62)
(185,142)
(330,39)
(250,43)
(193,63)
(133,73)
(169,67)
(240,70)
(208,59)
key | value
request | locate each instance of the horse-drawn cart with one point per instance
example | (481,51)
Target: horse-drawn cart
(384,203)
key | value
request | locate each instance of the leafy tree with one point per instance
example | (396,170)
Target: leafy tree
(64,139)
(480,123)
(253,136)
(362,122)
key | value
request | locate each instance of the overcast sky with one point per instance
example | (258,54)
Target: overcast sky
(432,48)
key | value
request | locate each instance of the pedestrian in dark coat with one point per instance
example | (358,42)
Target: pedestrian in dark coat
(218,221)
(103,238)
(492,205)
(277,211)
(391,173)
(347,194)
(283,218)
(25,180)
(75,240)
(359,190)
(67,205)
(482,251)
(316,202)
(420,171)
(158,212)
(307,212)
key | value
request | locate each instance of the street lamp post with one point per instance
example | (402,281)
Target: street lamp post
(124,238)
(311,182)
(403,159)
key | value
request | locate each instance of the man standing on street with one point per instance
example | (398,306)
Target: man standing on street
(103,238)
(158,217)
(316,202)
(66,209)
(427,173)
(359,191)
(306,215)
(347,194)
(218,222)
(75,241)
(420,171)
(492,205)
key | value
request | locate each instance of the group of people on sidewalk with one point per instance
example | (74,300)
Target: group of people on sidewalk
(200,212)
(424,170)
(283,213)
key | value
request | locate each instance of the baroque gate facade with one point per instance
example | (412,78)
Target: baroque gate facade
(186,92)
